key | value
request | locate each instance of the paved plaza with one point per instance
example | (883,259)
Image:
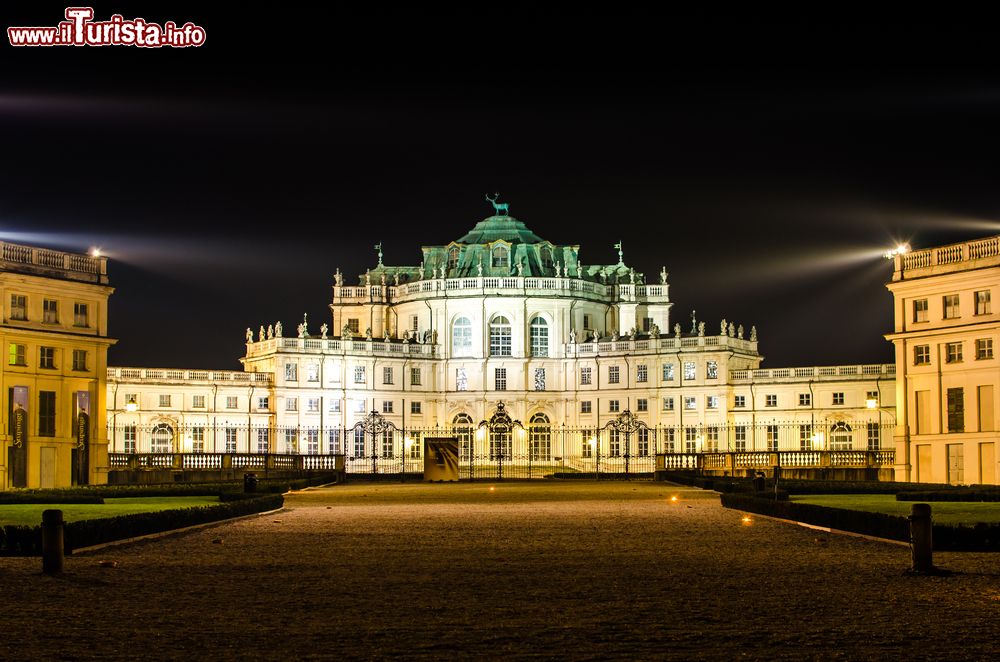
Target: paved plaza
(571,570)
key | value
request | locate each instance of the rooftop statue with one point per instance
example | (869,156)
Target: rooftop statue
(250,335)
(498,207)
(346,332)
(277,329)
(701,328)
(722,331)
(262,333)
(663,275)
(323,328)
(739,332)
(753,334)
(338,278)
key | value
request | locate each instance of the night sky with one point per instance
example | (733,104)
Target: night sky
(766,164)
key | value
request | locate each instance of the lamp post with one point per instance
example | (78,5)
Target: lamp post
(500,423)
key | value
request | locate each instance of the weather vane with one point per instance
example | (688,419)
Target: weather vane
(620,253)
(498,206)
(378,247)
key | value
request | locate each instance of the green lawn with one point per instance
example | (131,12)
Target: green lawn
(31,514)
(943,512)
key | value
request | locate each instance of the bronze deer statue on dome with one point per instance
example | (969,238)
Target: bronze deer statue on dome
(498,207)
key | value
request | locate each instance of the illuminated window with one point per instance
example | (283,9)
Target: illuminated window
(540,438)
(501,257)
(840,437)
(689,370)
(312,405)
(690,403)
(312,372)
(951,305)
(712,370)
(291,372)
(585,377)
(668,404)
(161,439)
(359,374)
(198,439)
(461,380)
(641,373)
(291,404)
(17,355)
(500,379)
(461,337)
(539,337)
(983,302)
(500,336)
(922,355)
(920,310)
(668,372)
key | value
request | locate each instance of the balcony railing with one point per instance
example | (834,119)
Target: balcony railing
(374,347)
(162,375)
(829,373)
(44,261)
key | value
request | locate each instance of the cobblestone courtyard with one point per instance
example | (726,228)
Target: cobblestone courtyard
(583,571)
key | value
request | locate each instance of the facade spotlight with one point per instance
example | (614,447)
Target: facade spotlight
(900,249)
(95,252)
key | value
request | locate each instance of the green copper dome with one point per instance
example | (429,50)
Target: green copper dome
(505,228)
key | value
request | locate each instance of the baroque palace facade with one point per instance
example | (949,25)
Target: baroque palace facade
(501,319)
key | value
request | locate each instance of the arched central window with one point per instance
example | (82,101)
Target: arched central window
(501,256)
(541,438)
(461,337)
(840,437)
(539,337)
(500,336)
(453,258)
(161,439)
(463,430)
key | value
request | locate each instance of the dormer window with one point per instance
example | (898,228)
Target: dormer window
(545,256)
(453,258)
(501,257)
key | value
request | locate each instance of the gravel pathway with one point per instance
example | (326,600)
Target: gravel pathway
(582,571)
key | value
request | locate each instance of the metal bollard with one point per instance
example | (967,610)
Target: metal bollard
(921,537)
(52,542)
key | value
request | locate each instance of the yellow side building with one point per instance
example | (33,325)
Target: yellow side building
(947,373)
(54,335)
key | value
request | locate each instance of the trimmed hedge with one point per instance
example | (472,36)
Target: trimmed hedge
(47,497)
(799,486)
(27,541)
(978,538)
(984,494)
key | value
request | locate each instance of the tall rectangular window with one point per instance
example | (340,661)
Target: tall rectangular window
(956,410)
(668,404)
(164,400)
(689,371)
(312,441)
(333,441)
(613,406)
(198,439)
(614,374)
(359,442)
(461,380)
(690,440)
(711,402)
(264,440)
(668,372)
(921,355)
(983,306)
(712,370)
(414,407)
(950,303)
(712,439)
(642,404)
(291,404)
(50,311)
(47,357)
(387,406)
(805,437)
(772,437)
(668,440)
(643,441)
(587,325)
(387,375)
(18,307)
(312,405)
(585,407)
(415,376)
(130,437)
(291,372)
(46,413)
(740,438)
(17,355)
(414,323)
(500,379)
(874,442)
(80,315)
(359,374)
(312,372)
(920,310)
(585,376)
(641,373)
(539,379)
(292,441)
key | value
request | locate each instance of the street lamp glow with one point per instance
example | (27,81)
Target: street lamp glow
(871,403)
(131,406)
(95,252)
(817,440)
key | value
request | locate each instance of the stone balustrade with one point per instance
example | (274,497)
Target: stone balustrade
(627,346)
(818,373)
(168,375)
(946,258)
(44,261)
(372,347)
